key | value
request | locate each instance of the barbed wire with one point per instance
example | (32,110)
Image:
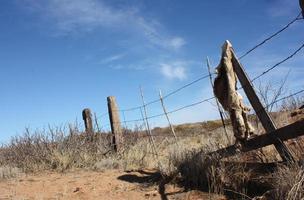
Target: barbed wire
(279,63)
(169,112)
(283,98)
(168,95)
(272,36)
(181,108)
(103,115)
(229,122)
(200,102)
(191,105)
(183,87)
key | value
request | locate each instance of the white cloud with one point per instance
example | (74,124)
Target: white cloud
(112,58)
(177,42)
(172,72)
(87,15)
(76,15)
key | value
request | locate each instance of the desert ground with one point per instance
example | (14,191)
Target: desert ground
(109,184)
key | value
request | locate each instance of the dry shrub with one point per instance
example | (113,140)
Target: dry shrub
(139,156)
(7,172)
(292,103)
(289,182)
(56,149)
(196,169)
(107,163)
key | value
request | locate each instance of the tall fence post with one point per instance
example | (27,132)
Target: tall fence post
(117,134)
(88,123)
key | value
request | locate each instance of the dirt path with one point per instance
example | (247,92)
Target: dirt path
(112,184)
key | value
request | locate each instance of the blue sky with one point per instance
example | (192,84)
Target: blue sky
(60,56)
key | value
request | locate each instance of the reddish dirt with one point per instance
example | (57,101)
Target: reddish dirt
(111,184)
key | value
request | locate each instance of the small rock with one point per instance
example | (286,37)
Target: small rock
(77,189)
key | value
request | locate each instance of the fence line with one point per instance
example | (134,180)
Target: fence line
(196,103)
(278,100)
(200,102)
(167,95)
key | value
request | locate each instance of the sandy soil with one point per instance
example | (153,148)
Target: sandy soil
(111,184)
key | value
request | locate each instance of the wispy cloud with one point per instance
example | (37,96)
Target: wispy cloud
(173,71)
(177,42)
(72,16)
(112,58)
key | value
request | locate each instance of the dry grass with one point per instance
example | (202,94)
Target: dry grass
(196,170)
(289,182)
(7,172)
(107,163)
(186,161)
(55,150)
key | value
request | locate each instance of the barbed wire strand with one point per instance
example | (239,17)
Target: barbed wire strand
(102,115)
(265,107)
(167,95)
(279,63)
(272,36)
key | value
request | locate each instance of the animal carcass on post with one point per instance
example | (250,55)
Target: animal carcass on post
(226,91)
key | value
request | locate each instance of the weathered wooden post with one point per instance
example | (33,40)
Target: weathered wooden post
(87,118)
(264,117)
(117,135)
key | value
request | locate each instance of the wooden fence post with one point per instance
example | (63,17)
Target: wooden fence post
(265,119)
(117,135)
(87,118)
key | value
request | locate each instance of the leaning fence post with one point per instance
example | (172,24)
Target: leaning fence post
(254,100)
(117,135)
(87,118)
